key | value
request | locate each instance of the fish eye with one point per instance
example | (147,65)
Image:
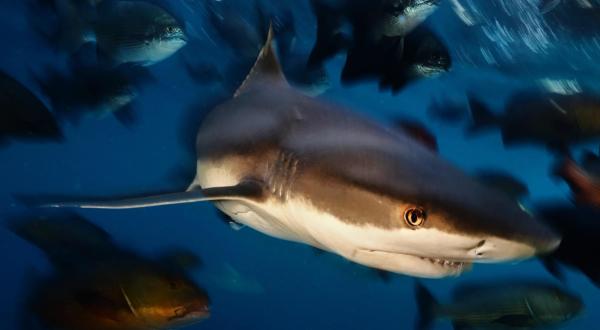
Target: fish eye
(415,216)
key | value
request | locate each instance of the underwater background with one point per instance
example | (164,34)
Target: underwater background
(255,281)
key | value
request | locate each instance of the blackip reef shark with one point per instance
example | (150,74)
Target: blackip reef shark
(300,169)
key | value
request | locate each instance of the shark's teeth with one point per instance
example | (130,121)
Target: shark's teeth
(445,263)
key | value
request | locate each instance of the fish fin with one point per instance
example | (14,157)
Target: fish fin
(65,238)
(245,190)
(553,267)
(426,305)
(583,186)
(266,65)
(225,218)
(481,115)
(327,43)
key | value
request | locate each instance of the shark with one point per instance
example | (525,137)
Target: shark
(301,169)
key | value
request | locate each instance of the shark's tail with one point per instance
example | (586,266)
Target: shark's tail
(426,305)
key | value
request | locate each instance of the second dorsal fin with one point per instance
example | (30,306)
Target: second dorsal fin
(266,67)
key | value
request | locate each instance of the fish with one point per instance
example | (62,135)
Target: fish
(418,131)
(301,169)
(23,116)
(369,22)
(123,31)
(551,120)
(398,62)
(514,304)
(584,180)
(447,110)
(97,285)
(312,79)
(580,230)
(241,30)
(503,182)
(94,90)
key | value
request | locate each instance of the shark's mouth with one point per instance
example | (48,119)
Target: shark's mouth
(451,264)
(420,266)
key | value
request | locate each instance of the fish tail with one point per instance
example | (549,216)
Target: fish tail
(581,184)
(481,115)
(426,304)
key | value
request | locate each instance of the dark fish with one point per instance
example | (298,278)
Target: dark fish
(580,229)
(449,111)
(383,42)
(584,179)
(243,31)
(398,61)
(99,286)
(369,22)
(552,120)
(23,115)
(418,132)
(312,80)
(503,182)
(500,305)
(123,31)
(95,90)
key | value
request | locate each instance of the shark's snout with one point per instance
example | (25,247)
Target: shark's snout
(523,245)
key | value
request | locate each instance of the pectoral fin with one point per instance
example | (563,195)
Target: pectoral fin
(245,190)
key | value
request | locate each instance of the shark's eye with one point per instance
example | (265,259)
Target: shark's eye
(414,216)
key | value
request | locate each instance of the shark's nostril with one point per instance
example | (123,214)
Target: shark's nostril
(477,249)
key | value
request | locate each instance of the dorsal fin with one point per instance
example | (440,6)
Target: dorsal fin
(266,67)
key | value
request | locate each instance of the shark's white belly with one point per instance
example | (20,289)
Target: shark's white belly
(292,219)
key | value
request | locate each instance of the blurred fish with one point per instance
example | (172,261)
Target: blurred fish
(369,22)
(23,115)
(99,286)
(584,179)
(242,30)
(397,62)
(580,229)
(503,182)
(312,80)
(553,120)
(124,31)
(95,90)
(500,305)
(418,131)
(286,157)
(448,111)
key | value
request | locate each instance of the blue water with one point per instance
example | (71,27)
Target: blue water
(292,288)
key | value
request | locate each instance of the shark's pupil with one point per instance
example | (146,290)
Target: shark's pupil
(414,217)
